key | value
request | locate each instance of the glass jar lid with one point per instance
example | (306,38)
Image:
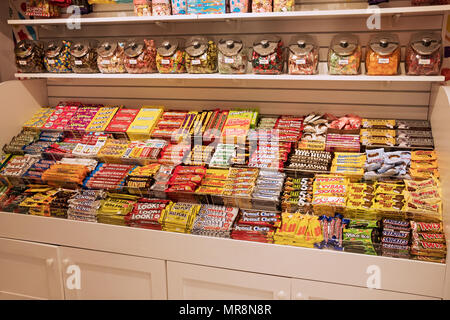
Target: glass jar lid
(384,43)
(133,48)
(230,47)
(24,48)
(53,48)
(196,46)
(168,47)
(344,44)
(302,45)
(426,43)
(80,48)
(266,45)
(107,48)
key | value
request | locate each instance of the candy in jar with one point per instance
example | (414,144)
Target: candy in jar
(83,57)
(283,5)
(201,55)
(259,6)
(142,8)
(238,6)
(233,57)
(30,56)
(344,55)
(179,7)
(170,57)
(267,55)
(383,54)
(161,8)
(57,56)
(140,56)
(424,54)
(303,55)
(111,57)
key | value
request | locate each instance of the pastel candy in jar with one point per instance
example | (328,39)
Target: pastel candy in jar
(232,56)
(111,57)
(303,55)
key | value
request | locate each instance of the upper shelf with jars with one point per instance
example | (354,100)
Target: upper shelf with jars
(260,12)
(267,59)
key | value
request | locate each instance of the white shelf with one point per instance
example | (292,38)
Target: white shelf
(218,76)
(281,260)
(320,14)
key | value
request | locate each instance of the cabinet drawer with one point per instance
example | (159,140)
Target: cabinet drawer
(112,276)
(187,281)
(316,290)
(29,271)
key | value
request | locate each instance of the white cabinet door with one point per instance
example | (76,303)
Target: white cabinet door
(96,275)
(187,281)
(315,290)
(29,271)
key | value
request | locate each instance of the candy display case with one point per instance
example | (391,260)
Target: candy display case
(151,247)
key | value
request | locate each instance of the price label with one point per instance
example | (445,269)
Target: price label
(51,61)
(106,62)
(133,61)
(78,62)
(343,62)
(23,62)
(424,61)
(165,61)
(383,60)
(195,62)
(300,61)
(263,61)
(229,60)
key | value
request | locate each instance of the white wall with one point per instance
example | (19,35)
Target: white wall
(7,67)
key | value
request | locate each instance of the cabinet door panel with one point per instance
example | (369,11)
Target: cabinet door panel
(187,281)
(29,271)
(112,276)
(315,290)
